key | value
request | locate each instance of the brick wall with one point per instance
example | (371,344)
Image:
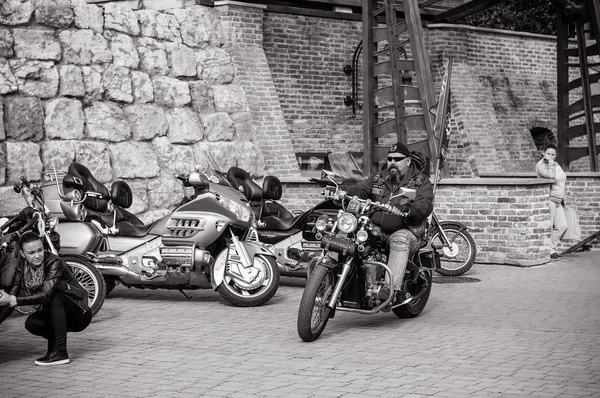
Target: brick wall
(243,27)
(307,56)
(501,83)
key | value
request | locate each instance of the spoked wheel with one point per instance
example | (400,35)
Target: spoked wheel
(460,256)
(414,308)
(90,278)
(314,313)
(257,292)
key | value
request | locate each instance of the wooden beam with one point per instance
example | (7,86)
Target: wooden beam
(369,85)
(470,8)
(562,94)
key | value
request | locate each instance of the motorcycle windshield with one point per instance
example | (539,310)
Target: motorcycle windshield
(344,165)
(212,170)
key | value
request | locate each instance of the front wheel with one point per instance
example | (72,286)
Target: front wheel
(252,295)
(90,278)
(314,313)
(459,257)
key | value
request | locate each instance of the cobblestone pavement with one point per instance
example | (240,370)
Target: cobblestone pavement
(518,332)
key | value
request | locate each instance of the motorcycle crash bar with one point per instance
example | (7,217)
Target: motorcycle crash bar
(380,306)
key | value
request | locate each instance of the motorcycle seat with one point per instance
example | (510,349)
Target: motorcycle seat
(241,180)
(126,228)
(78,173)
(278,224)
(107,218)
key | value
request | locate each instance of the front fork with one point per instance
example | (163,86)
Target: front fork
(246,251)
(444,238)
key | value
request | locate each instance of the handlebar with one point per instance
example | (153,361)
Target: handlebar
(18,233)
(369,204)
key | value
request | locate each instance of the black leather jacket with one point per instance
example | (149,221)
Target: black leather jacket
(57,275)
(379,188)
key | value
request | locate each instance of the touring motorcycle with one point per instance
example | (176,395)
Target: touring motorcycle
(351,273)
(37,217)
(201,244)
(292,236)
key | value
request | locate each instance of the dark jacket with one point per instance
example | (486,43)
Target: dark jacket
(378,187)
(57,276)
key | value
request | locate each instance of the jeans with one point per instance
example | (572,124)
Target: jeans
(57,317)
(559,224)
(402,244)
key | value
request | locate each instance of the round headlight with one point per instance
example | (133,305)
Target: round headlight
(362,235)
(347,223)
(321,222)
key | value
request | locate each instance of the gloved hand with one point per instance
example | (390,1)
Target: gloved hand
(404,209)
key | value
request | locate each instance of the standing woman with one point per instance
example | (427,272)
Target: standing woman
(548,168)
(43,278)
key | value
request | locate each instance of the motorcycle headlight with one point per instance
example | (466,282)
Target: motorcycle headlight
(321,223)
(362,235)
(347,223)
(376,230)
(243,213)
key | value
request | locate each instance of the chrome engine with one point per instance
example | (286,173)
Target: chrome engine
(376,289)
(156,262)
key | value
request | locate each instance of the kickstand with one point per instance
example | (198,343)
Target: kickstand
(186,296)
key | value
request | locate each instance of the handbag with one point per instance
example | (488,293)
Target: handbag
(573,231)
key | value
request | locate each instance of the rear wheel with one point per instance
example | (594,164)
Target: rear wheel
(237,293)
(314,313)
(90,278)
(414,308)
(459,257)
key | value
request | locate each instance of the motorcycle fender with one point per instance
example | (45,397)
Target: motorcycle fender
(463,227)
(218,272)
(327,262)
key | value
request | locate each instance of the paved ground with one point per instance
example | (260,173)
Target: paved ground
(518,332)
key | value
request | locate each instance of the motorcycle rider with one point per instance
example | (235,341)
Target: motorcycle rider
(384,186)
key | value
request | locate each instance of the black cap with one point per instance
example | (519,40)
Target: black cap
(399,148)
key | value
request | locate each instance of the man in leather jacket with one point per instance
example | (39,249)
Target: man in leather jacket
(44,279)
(384,186)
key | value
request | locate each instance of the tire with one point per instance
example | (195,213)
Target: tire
(240,297)
(461,257)
(314,313)
(110,282)
(90,278)
(413,309)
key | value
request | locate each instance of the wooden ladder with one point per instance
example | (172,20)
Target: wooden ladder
(576,119)
(392,106)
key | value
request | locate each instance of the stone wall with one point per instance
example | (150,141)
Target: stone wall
(133,95)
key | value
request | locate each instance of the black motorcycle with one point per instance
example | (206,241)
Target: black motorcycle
(351,273)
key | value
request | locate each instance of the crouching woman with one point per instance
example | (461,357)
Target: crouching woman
(43,278)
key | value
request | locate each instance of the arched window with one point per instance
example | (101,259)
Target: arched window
(542,136)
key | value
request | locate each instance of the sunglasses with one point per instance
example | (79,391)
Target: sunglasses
(396,159)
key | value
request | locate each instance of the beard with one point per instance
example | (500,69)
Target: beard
(394,175)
